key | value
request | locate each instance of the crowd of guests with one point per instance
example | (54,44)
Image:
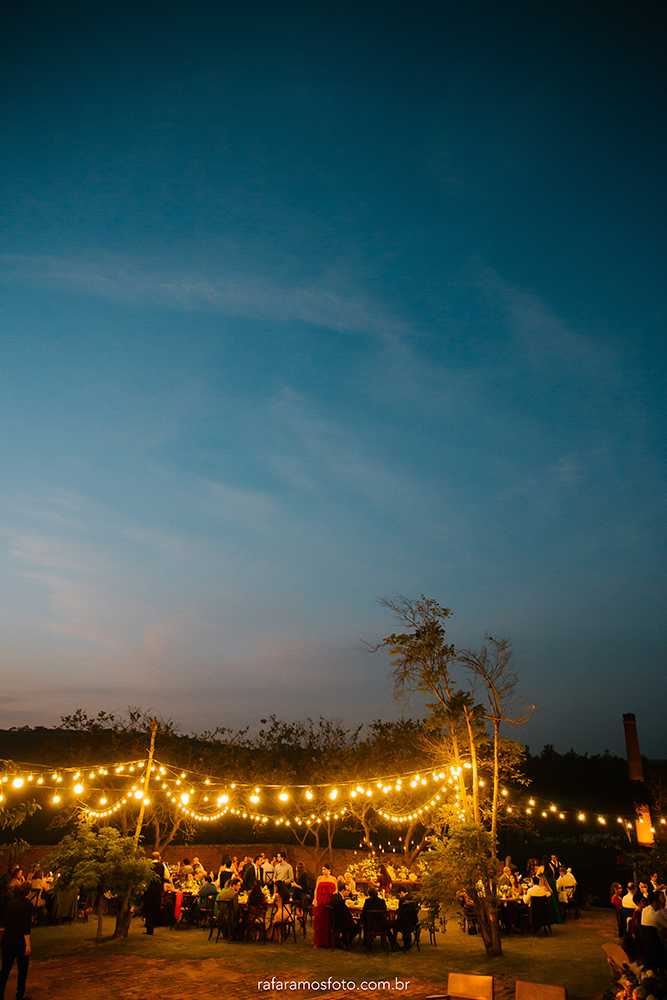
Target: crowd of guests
(641,912)
(269,885)
(268,882)
(546,879)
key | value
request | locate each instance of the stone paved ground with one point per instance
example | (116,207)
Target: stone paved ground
(132,977)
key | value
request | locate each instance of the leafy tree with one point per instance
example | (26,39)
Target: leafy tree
(13,816)
(100,860)
(463,738)
(390,747)
(315,757)
(105,739)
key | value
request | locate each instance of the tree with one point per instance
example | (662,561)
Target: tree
(100,860)
(106,739)
(389,748)
(315,757)
(463,739)
(492,665)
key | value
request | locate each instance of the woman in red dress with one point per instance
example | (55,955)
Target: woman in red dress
(325,887)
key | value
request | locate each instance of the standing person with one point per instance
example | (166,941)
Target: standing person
(153,894)
(301,886)
(325,887)
(267,870)
(283,871)
(252,873)
(15,942)
(546,869)
(384,880)
(617,903)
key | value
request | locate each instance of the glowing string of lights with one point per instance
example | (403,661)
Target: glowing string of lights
(179,788)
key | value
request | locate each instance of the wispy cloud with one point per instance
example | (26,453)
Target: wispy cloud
(320,301)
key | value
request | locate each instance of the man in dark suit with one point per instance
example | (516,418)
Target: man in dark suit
(344,922)
(15,943)
(153,894)
(407,919)
(252,873)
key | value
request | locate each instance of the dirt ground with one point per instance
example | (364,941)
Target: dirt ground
(133,977)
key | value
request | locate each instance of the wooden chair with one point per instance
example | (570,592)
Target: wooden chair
(375,926)
(189,911)
(334,933)
(287,924)
(225,921)
(538,991)
(468,919)
(255,923)
(617,958)
(653,950)
(540,914)
(205,916)
(464,987)
(570,907)
(428,924)
(303,911)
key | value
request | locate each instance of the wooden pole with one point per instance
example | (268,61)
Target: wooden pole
(147,778)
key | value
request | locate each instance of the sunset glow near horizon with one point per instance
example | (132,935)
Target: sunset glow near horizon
(308,304)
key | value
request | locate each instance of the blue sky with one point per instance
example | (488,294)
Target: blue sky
(304,304)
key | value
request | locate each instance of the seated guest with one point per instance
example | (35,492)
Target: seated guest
(350,884)
(642,890)
(15,878)
(38,889)
(225,871)
(230,896)
(629,906)
(655,915)
(344,923)
(185,868)
(206,892)
(373,902)
(281,895)
(198,870)
(540,887)
(256,897)
(653,933)
(371,914)
(566,883)
(188,884)
(506,877)
(407,919)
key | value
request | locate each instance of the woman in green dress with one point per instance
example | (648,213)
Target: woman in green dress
(546,869)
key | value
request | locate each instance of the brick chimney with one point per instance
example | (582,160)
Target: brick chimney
(643,822)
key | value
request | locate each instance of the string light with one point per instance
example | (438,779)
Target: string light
(217,804)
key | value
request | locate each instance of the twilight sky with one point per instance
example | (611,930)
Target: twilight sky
(307,303)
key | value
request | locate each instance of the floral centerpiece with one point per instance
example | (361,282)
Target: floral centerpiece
(642,985)
(366,870)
